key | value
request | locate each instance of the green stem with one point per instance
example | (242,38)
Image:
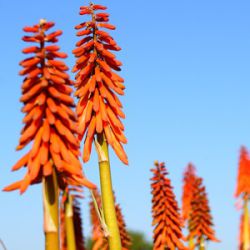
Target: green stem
(202,244)
(50,206)
(70,231)
(107,193)
(191,243)
(246,225)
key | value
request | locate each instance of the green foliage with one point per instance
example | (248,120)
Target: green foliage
(89,244)
(139,242)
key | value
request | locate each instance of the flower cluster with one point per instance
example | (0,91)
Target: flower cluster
(99,109)
(188,183)
(243,183)
(200,220)
(166,217)
(50,122)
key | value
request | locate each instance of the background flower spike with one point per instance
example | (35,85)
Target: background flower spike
(243,192)
(200,221)
(167,221)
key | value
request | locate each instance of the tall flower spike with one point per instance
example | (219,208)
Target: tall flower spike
(99,109)
(200,221)
(50,123)
(243,180)
(166,217)
(243,191)
(188,183)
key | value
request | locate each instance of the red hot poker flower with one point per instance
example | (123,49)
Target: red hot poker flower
(243,183)
(99,109)
(50,123)
(166,218)
(188,183)
(200,220)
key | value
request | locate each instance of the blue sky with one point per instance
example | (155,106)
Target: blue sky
(186,66)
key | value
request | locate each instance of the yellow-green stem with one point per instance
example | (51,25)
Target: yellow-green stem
(202,244)
(246,225)
(70,231)
(50,207)
(191,243)
(107,194)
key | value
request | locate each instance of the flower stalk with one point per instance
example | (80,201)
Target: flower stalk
(246,225)
(202,244)
(107,193)
(70,231)
(99,109)
(51,213)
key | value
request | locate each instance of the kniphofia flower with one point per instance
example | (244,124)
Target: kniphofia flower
(187,195)
(50,123)
(243,180)
(166,217)
(99,109)
(200,220)
(243,191)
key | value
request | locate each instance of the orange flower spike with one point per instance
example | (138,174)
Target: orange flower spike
(188,182)
(200,218)
(243,179)
(166,217)
(50,123)
(243,191)
(95,77)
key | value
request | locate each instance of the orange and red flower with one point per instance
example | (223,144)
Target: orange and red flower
(50,123)
(200,218)
(187,195)
(243,180)
(99,109)
(166,217)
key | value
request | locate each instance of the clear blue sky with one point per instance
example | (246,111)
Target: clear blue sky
(187,71)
